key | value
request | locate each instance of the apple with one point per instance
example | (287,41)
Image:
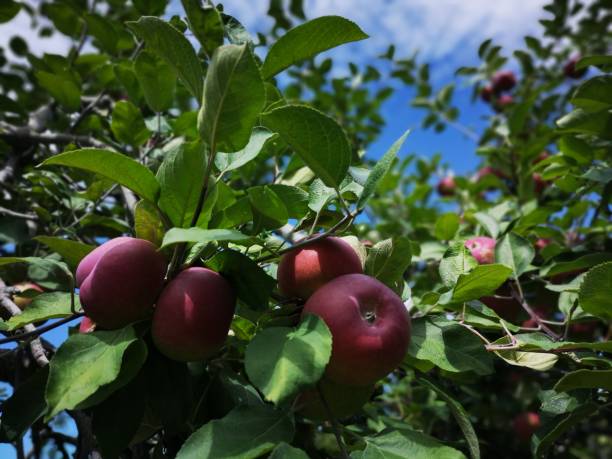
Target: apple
(482,248)
(488,170)
(525,424)
(193,315)
(370,328)
(569,69)
(87,325)
(342,400)
(487,93)
(447,186)
(120,280)
(542,243)
(305,269)
(24,301)
(503,102)
(539,184)
(583,331)
(541,157)
(503,80)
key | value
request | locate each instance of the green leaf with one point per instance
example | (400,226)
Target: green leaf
(534,360)
(114,166)
(128,125)
(147,223)
(446,226)
(71,251)
(460,415)
(457,260)
(247,432)
(380,170)
(594,94)
(449,346)
(601,61)
(317,138)
(82,364)
(489,223)
(516,252)
(251,283)
(269,211)
(52,305)
(285,451)
(199,235)
(234,96)
(281,361)
(174,48)
(309,39)
(585,261)
(180,178)
(405,443)
(594,294)
(585,379)
(157,79)
(8,10)
(581,121)
(103,31)
(388,259)
(229,161)
(294,198)
(481,281)
(61,88)
(206,24)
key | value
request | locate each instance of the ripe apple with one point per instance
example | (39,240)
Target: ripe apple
(542,243)
(342,400)
(539,184)
(482,248)
(193,315)
(305,269)
(503,102)
(525,424)
(488,170)
(569,69)
(23,301)
(120,280)
(503,80)
(87,325)
(447,186)
(487,93)
(370,328)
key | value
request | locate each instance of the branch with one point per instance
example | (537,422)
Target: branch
(334,423)
(12,213)
(52,138)
(41,330)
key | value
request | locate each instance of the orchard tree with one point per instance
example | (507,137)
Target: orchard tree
(249,283)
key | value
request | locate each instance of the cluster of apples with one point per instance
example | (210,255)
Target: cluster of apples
(494,92)
(121,280)
(368,321)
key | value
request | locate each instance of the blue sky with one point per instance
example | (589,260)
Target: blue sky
(446,33)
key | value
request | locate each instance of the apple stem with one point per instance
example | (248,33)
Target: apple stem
(334,423)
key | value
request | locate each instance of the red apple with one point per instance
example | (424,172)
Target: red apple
(24,301)
(342,400)
(87,325)
(447,186)
(503,80)
(488,170)
(539,184)
(307,268)
(583,331)
(193,315)
(120,280)
(487,93)
(482,248)
(569,69)
(503,102)
(541,157)
(525,424)
(370,328)
(542,243)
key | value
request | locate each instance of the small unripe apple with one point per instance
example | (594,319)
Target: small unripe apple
(342,400)
(193,315)
(569,69)
(487,93)
(503,80)
(305,269)
(23,301)
(87,325)
(447,186)
(120,280)
(525,424)
(482,248)
(370,328)
(503,102)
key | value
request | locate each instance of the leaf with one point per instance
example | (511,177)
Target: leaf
(247,432)
(179,235)
(114,166)
(285,451)
(251,283)
(594,294)
(180,178)
(62,89)
(317,138)
(71,251)
(534,360)
(481,281)
(594,94)
(52,305)
(585,261)
(489,223)
(309,39)
(405,443)
(388,260)
(460,415)
(449,346)
(229,161)
(380,170)
(269,210)
(281,361)
(294,198)
(601,61)
(147,223)
(157,79)
(206,24)
(516,252)
(234,96)
(446,226)
(581,121)
(127,124)
(457,260)
(174,48)
(585,379)
(8,10)
(82,364)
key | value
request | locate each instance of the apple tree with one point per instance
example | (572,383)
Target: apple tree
(199,207)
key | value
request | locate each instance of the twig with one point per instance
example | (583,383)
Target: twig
(54,138)
(12,213)
(334,423)
(518,295)
(39,331)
